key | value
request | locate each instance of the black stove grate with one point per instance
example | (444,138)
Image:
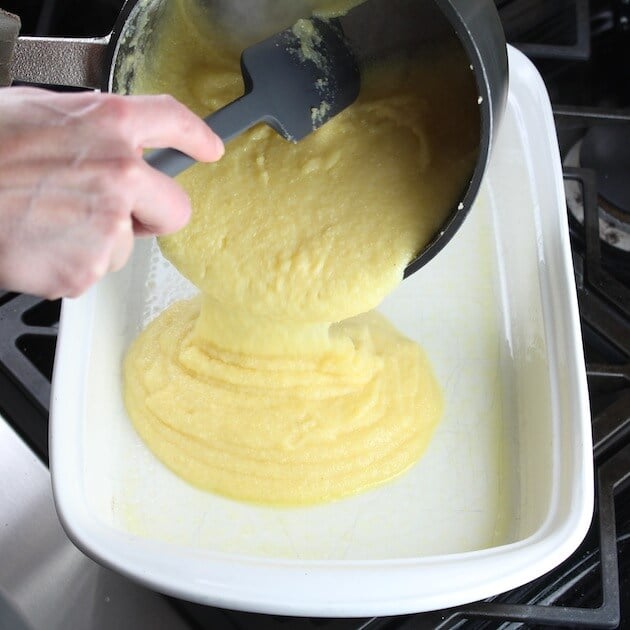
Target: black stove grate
(27,347)
(548,30)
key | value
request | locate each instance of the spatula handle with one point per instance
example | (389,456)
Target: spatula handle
(171,162)
(237,117)
(227,122)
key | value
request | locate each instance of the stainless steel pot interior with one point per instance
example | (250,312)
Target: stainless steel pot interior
(374,29)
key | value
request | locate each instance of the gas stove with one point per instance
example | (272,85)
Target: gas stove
(582,50)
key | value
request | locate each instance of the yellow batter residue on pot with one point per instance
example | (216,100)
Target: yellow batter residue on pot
(277,385)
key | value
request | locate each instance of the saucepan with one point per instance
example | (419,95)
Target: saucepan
(108,63)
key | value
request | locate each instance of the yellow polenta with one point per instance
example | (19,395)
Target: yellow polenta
(277,385)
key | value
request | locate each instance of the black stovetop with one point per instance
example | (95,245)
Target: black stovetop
(582,50)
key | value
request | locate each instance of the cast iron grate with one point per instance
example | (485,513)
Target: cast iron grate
(548,30)
(27,347)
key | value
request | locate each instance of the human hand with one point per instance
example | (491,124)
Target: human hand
(74,189)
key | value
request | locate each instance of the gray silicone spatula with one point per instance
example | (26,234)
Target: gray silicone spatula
(294,81)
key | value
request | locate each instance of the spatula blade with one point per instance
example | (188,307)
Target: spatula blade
(295,82)
(303,76)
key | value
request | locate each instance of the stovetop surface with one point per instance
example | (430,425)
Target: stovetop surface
(582,50)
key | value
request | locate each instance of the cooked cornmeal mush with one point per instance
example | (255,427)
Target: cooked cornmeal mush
(279,384)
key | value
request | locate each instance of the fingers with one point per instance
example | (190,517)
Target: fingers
(152,202)
(83,131)
(74,189)
(127,187)
(93,125)
(122,247)
(160,205)
(69,246)
(162,121)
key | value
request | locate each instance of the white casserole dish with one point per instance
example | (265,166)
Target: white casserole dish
(503,494)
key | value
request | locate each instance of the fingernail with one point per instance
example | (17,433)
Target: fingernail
(124,224)
(100,269)
(220,147)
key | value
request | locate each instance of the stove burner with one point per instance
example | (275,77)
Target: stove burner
(614,223)
(606,149)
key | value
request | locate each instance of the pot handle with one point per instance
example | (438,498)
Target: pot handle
(76,62)
(9,30)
